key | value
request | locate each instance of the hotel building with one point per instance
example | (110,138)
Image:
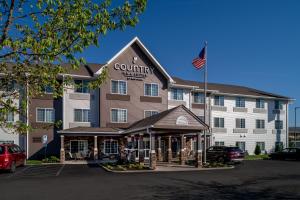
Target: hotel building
(144,114)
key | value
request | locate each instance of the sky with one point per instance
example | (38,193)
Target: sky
(250,43)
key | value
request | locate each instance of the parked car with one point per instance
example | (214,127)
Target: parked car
(224,154)
(11,156)
(286,154)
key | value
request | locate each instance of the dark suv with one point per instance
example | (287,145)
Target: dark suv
(224,154)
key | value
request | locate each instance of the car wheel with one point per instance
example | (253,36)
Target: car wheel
(12,167)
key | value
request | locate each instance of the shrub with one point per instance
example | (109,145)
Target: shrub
(51,159)
(257,150)
(278,147)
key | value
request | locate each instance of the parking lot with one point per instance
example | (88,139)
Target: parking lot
(251,180)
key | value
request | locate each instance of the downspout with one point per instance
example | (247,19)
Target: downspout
(27,120)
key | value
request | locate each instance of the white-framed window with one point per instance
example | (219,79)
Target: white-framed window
(198,97)
(82,86)
(260,103)
(10,117)
(82,115)
(241,145)
(118,87)
(149,113)
(151,89)
(240,102)
(45,115)
(176,94)
(278,105)
(260,124)
(118,115)
(110,147)
(218,122)
(219,143)
(240,123)
(219,100)
(261,145)
(278,124)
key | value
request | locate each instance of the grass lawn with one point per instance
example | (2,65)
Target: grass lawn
(33,162)
(257,157)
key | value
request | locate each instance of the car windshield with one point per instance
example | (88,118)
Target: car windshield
(233,149)
(1,150)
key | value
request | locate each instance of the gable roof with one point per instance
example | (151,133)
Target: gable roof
(152,120)
(145,51)
(229,89)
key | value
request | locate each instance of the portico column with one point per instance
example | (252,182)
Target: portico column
(159,156)
(152,152)
(182,150)
(95,147)
(199,151)
(132,155)
(140,146)
(169,150)
(62,149)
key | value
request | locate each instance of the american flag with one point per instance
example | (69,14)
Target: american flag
(200,61)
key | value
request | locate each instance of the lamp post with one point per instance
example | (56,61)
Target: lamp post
(295,124)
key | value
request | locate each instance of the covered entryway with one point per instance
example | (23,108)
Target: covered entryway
(168,134)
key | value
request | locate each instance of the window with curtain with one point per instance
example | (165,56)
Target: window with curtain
(176,94)
(278,124)
(219,100)
(198,97)
(218,122)
(260,103)
(82,86)
(260,124)
(10,117)
(240,102)
(151,89)
(118,87)
(278,105)
(240,123)
(45,115)
(118,115)
(149,113)
(82,115)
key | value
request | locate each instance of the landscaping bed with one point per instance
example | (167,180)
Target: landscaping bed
(48,160)
(257,157)
(124,167)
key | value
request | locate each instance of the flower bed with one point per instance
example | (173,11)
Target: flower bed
(125,167)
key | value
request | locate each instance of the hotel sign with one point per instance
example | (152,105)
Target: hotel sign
(134,71)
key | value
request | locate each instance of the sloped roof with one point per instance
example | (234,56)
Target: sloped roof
(150,121)
(88,69)
(90,130)
(230,89)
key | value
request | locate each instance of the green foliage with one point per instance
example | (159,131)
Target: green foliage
(51,159)
(257,157)
(38,37)
(257,150)
(278,147)
(33,162)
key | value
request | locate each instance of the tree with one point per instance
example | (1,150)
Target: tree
(257,150)
(37,37)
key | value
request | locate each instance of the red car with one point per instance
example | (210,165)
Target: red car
(11,156)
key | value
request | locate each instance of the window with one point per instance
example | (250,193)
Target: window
(261,145)
(118,115)
(9,117)
(110,147)
(45,115)
(82,115)
(219,122)
(176,94)
(82,86)
(278,105)
(240,102)
(198,97)
(240,123)
(219,101)
(260,103)
(118,87)
(8,86)
(151,89)
(37,140)
(79,146)
(278,124)
(260,124)
(241,145)
(48,89)
(149,113)
(219,143)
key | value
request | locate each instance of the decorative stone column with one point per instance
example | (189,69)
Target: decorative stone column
(152,153)
(169,150)
(140,146)
(62,149)
(182,150)
(199,151)
(95,147)
(159,155)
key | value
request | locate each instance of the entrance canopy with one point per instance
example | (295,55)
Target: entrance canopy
(178,119)
(91,131)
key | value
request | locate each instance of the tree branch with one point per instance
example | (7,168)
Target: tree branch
(8,21)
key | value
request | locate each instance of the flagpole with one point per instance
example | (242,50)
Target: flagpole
(205,106)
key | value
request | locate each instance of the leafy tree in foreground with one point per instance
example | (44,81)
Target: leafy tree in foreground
(37,37)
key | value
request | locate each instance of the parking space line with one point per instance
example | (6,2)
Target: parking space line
(60,170)
(19,172)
